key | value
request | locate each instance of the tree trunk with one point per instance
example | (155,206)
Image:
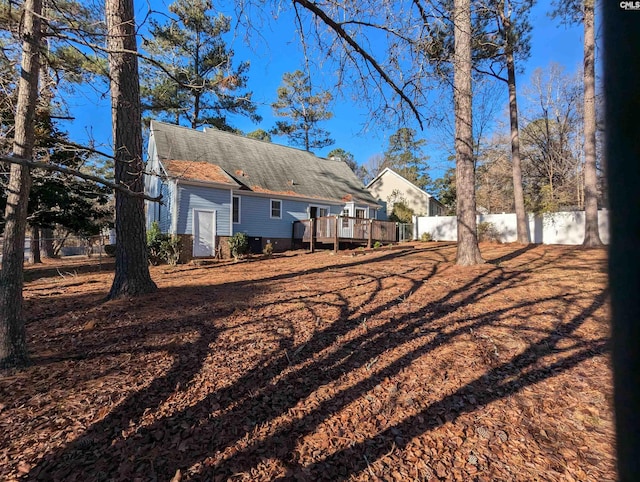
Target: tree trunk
(34,251)
(522,230)
(46,243)
(591,233)
(132,267)
(468,252)
(13,339)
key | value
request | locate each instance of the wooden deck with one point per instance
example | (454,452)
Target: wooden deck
(337,229)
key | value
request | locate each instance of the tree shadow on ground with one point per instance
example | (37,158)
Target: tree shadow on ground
(234,427)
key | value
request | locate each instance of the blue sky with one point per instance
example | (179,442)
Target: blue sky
(551,42)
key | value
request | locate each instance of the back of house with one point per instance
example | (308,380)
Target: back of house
(215,184)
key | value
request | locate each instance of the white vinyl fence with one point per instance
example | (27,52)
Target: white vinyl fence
(548,228)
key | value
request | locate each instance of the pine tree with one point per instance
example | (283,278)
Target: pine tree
(345,156)
(583,11)
(503,45)
(468,252)
(297,102)
(13,347)
(132,266)
(194,79)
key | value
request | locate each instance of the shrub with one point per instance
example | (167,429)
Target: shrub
(170,250)
(162,247)
(154,243)
(268,249)
(238,245)
(401,213)
(377,244)
(426,237)
(110,250)
(487,232)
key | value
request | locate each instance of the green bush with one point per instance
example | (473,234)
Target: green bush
(377,244)
(162,247)
(170,250)
(401,213)
(426,237)
(238,245)
(487,232)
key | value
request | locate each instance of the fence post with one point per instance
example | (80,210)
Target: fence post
(370,233)
(336,237)
(312,226)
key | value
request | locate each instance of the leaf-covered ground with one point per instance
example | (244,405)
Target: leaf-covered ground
(393,365)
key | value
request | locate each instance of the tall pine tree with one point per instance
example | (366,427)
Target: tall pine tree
(132,266)
(193,79)
(13,346)
(304,109)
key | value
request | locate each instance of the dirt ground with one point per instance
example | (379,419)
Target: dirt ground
(393,365)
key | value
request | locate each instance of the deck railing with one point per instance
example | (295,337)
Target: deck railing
(330,228)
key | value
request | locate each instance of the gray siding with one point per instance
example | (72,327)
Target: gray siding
(205,198)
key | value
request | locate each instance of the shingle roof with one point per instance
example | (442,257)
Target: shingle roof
(255,165)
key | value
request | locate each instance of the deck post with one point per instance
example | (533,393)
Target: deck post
(312,225)
(336,237)
(370,234)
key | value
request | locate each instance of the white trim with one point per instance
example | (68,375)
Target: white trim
(213,230)
(319,206)
(174,207)
(239,221)
(271,216)
(230,210)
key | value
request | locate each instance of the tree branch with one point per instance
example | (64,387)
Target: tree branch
(337,28)
(74,172)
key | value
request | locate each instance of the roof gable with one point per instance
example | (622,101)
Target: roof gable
(255,165)
(390,172)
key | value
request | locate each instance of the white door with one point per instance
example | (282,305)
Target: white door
(204,233)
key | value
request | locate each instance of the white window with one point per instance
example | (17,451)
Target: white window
(276,209)
(316,211)
(236,209)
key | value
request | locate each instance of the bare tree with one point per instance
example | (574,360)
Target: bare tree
(494,172)
(13,347)
(573,12)
(132,267)
(552,141)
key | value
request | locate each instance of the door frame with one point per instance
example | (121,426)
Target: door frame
(197,231)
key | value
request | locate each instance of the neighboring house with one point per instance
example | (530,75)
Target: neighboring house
(390,187)
(215,184)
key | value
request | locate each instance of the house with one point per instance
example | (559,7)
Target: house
(215,184)
(389,187)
